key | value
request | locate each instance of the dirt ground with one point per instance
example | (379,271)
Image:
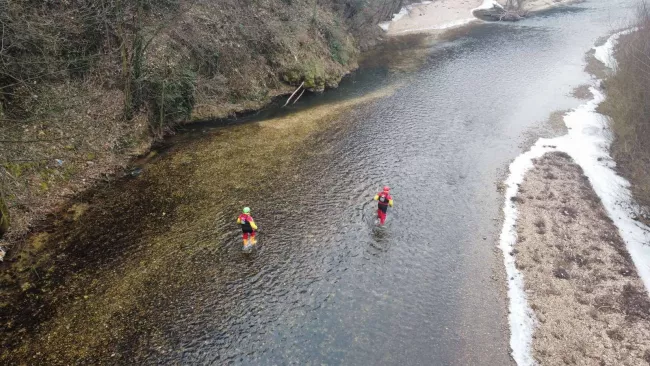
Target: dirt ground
(591,306)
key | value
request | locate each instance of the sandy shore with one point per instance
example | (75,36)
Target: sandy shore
(591,306)
(439,15)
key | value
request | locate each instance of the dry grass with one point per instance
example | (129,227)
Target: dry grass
(628,96)
(582,92)
(79,137)
(240,55)
(580,281)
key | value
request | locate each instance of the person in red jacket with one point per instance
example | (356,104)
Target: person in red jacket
(248,226)
(384,200)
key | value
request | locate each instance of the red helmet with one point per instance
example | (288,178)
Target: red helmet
(386,188)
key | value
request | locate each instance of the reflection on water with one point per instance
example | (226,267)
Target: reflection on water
(168,282)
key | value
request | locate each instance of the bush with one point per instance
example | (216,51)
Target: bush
(4,217)
(337,49)
(170,98)
(628,105)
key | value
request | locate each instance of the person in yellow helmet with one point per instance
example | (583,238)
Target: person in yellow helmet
(248,226)
(385,200)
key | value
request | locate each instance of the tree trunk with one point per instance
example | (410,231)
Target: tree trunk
(138,59)
(4,217)
(126,67)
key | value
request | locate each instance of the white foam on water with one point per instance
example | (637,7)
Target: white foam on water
(587,142)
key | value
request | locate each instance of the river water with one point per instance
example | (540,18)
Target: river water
(154,272)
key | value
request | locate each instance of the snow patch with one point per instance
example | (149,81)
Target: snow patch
(605,52)
(488,4)
(384,26)
(455,23)
(402,12)
(587,142)
(521,317)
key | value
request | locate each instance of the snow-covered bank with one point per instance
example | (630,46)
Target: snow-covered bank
(592,307)
(521,318)
(605,52)
(431,16)
(399,15)
(452,24)
(587,143)
(440,15)
(488,4)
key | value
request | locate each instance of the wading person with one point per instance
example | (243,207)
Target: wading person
(248,227)
(384,200)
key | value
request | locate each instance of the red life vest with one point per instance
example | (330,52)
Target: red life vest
(245,222)
(384,198)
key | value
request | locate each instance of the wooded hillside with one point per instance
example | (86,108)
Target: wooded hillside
(86,84)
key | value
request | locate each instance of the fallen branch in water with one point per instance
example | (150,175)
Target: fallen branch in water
(303,92)
(292,94)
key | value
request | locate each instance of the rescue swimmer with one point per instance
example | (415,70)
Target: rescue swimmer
(248,226)
(384,200)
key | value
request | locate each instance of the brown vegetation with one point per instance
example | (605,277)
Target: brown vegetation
(580,281)
(85,85)
(628,105)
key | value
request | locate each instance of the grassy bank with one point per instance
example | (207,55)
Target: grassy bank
(87,85)
(628,106)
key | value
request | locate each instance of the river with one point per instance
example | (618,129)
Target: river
(153,272)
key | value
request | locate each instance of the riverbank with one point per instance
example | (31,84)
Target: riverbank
(438,16)
(103,282)
(152,271)
(590,305)
(78,109)
(576,255)
(626,106)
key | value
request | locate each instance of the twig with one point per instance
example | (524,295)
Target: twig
(36,273)
(2,44)
(292,94)
(21,161)
(31,141)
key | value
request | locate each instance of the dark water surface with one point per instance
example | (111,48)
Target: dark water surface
(327,286)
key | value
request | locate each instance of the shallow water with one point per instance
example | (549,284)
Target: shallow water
(169,283)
